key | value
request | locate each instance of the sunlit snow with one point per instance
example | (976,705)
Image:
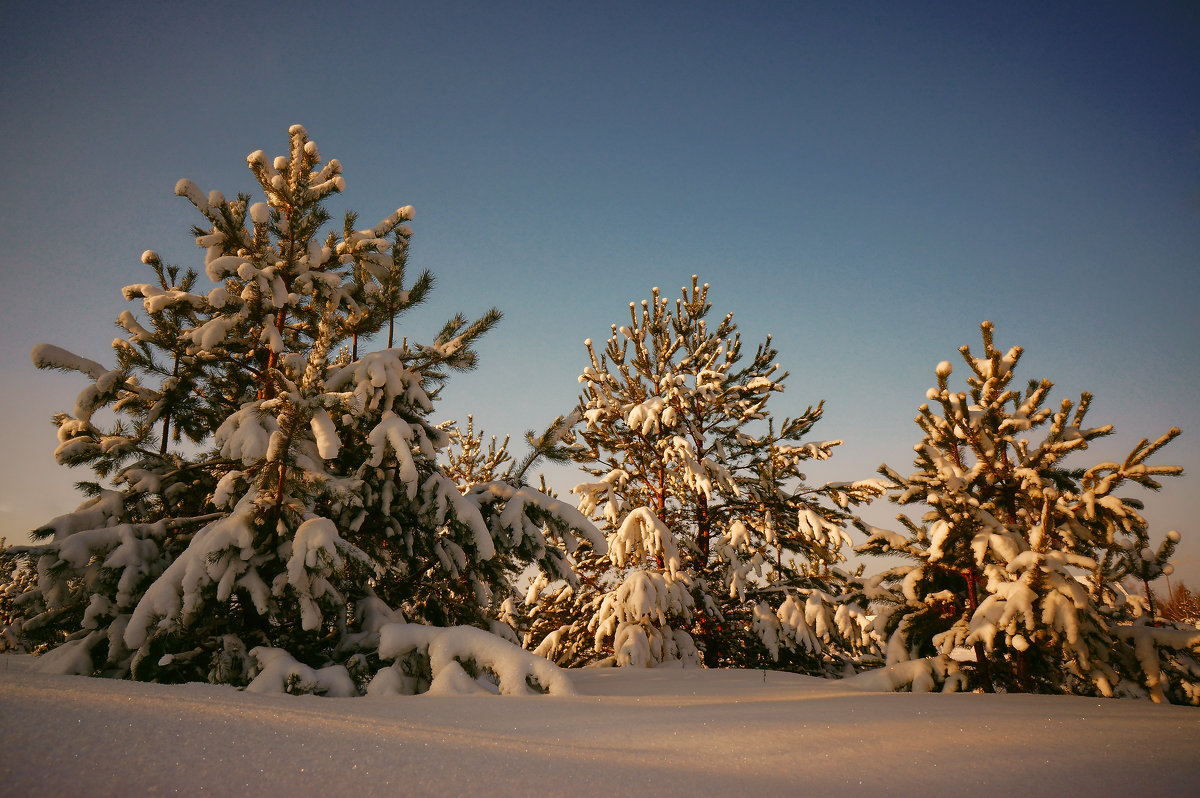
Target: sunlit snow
(628,731)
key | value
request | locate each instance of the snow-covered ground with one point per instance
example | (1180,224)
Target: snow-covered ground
(628,732)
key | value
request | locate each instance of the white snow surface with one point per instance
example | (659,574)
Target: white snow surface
(628,731)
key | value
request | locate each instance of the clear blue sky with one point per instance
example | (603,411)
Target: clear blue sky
(865,181)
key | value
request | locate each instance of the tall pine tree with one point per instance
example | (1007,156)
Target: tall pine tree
(306,511)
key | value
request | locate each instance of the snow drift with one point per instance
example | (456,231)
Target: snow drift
(626,732)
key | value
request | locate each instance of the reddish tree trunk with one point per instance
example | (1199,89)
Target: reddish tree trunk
(981,660)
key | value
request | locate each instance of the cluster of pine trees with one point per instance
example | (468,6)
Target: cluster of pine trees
(274,506)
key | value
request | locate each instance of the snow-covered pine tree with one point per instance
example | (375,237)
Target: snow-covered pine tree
(1019,557)
(717,551)
(307,514)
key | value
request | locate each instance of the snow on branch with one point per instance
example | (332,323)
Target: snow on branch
(48,356)
(518,503)
(220,553)
(1148,641)
(642,534)
(452,654)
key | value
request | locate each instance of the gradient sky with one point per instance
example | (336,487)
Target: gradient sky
(866,182)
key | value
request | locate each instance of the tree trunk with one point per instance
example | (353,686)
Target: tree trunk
(268,388)
(166,430)
(984,666)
